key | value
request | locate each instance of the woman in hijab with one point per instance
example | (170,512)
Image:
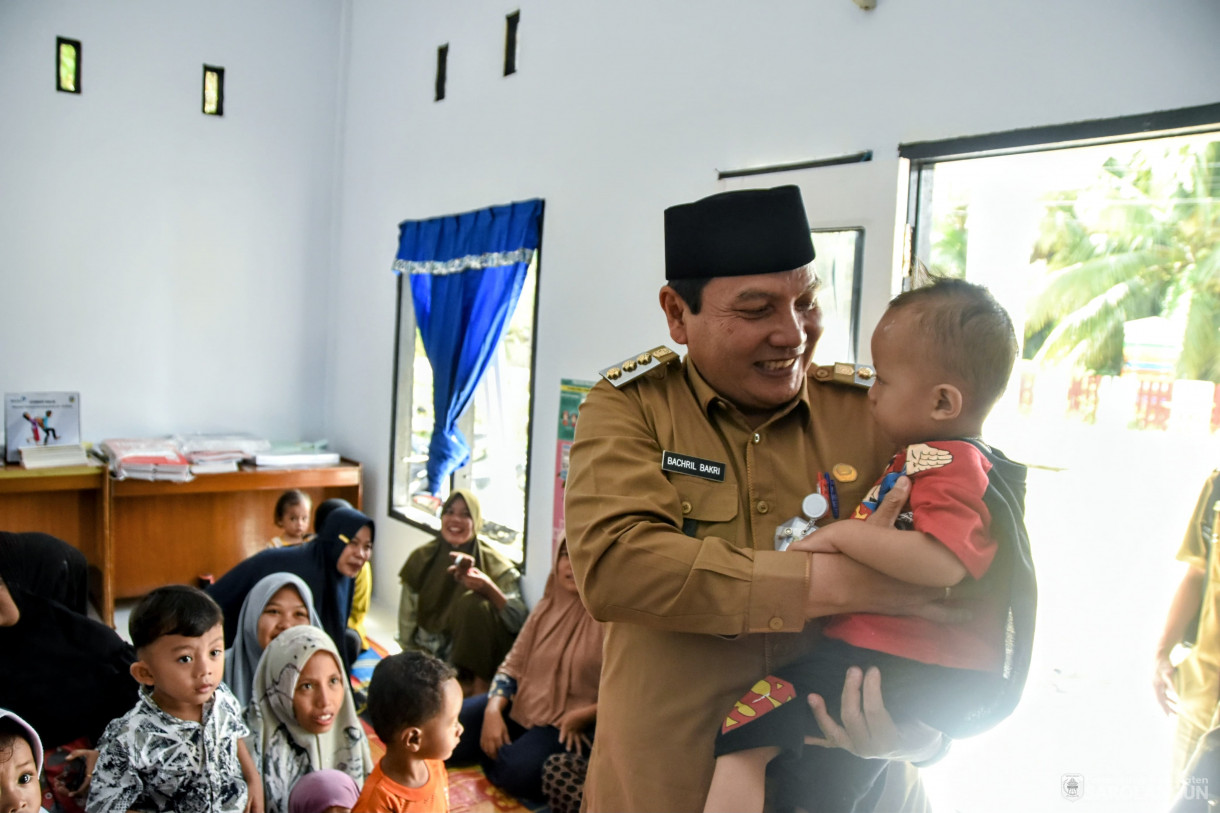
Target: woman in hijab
(548,687)
(302,717)
(362,588)
(46,566)
(461,599)
(65,673)
(328,563)
(327,791)
(276,603)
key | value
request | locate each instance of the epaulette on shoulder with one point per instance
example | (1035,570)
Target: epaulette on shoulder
(654,362)
(855,375)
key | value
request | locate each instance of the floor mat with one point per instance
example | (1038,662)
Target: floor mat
(469,790)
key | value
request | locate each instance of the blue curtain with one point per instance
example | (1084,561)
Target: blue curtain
(466,273)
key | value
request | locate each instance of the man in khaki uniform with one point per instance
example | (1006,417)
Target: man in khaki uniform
(1192,689)
(680,474)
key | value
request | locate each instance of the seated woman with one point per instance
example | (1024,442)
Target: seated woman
(302,717)
(46,566)
(461,599)
(362,589)
(548,687)
(275,603)
(64,673)
(328,563)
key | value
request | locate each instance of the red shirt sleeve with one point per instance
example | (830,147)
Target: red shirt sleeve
(947,502)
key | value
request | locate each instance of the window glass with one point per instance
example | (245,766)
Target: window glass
(837,263)
(496,425)
(1105,257)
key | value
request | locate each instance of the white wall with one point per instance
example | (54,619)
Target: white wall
(620,109)
(188,272)
(170,266)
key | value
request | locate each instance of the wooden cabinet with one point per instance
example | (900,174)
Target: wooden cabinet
(71,503)
(139,535)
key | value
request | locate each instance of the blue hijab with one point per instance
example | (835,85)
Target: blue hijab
(315,562)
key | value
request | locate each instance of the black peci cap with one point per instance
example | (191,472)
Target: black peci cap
(732,234)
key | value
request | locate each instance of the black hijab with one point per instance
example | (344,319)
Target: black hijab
(314,562)
(66,674)
(46,566)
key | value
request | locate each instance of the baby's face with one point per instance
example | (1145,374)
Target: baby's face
(19,788)
(902,396)
(295,521)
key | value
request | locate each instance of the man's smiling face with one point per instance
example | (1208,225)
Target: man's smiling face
(753,337)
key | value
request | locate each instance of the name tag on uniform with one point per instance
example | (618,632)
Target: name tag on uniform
(697,466)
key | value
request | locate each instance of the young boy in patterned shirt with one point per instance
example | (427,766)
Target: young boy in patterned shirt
(180,748)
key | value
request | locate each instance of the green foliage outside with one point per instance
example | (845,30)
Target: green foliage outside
(949,238)
(1140,241)
(67,67)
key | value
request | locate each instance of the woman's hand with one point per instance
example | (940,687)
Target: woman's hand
(470,577)
(1162,685)
(495,732)
(868,731)
(89,755)
(572,726)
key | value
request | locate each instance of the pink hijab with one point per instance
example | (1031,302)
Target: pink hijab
(557,657)
(318,790)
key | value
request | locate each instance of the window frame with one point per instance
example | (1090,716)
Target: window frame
(405,329)
(923,156)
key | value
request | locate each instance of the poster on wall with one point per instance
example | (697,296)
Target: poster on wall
(40,419)
(571,395)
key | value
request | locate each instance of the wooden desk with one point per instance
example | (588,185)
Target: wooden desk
(71,503)
(168,533)
(138,535)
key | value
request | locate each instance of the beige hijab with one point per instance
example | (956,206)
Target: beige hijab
(557,658)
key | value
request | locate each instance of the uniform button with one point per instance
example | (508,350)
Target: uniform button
(686,507)
(763,507)
(776,623)
(844,472)
(757,438)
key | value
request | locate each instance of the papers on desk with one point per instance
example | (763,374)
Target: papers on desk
(289,460)
(146,459)
(167,459)
(217,453)
(306,454)
(48,457)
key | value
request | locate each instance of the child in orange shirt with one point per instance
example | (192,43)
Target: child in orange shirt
(414,701)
